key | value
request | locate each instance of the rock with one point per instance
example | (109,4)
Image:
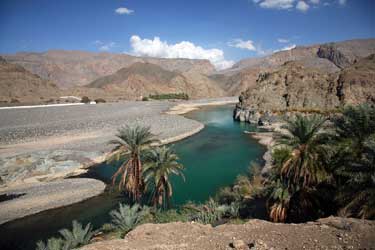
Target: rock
(239,244)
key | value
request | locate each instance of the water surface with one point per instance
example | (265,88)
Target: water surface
(212,159)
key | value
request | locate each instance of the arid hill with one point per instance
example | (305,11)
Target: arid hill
(295,87)
(120,76)
(327,58)
(142,79)
(19,85)
(77,68)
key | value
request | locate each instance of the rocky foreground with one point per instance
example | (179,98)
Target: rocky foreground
(328,233)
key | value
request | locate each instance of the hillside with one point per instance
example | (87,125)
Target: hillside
(19,85)
(142,79)
(77,68)
(295,87)
(327,58)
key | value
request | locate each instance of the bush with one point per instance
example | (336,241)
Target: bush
(85,99)
(125,218)
(182,96)
(14,101)
(145,99)
(100,100)
(170,216)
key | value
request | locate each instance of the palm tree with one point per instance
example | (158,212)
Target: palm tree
(281,197)
(355,167)
(306,137)
(162,162)
(131,143)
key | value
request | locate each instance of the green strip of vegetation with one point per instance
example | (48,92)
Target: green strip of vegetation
(179,96)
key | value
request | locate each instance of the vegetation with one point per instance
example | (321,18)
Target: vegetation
(131,143)
(320,167)
(182,96)
(85,100)
(127,217)
(100,100)
(77,237)
(354,163)
(162,162)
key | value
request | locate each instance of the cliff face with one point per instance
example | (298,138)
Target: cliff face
(326,58)
(328,233)
(295,87)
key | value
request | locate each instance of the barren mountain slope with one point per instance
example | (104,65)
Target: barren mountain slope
(142,79)
(16,83)
(78,68)
(327,58)
(293,86)
(356,84)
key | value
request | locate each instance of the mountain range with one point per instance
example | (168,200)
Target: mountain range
(120,76)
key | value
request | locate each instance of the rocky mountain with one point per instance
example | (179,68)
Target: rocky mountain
(327,58)
(142,79)
(296,87)
(19,85)
(77,68)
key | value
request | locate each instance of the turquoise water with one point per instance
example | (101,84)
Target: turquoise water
(212,159)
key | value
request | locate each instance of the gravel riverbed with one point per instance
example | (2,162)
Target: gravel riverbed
(39,147)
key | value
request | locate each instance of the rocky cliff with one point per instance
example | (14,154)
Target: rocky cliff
(328,233)
(326,58)
(296,87)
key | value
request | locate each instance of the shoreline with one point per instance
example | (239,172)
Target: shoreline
(266,139)
(36,182)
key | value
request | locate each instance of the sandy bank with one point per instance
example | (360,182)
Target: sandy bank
(36,197)
(186,107)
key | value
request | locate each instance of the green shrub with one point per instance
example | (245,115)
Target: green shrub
(145,99)
(79,236)
(170,216)
(52,244)
(100,100)
(125,218)
(182,96)
(85,99)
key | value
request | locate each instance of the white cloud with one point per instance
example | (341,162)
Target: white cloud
(124,11)
(283,40)
(241,44)
(342,2)
(302,6)
(290,47)
(315,1)
(102,46)
(185,49)
(275,4)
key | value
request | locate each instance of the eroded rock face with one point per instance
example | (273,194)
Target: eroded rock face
(294,87)
(328,233)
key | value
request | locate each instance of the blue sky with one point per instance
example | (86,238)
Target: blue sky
(222,31)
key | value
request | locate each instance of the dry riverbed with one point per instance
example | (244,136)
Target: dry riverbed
(46,144)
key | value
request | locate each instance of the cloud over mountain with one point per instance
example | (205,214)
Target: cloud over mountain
(185,49)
